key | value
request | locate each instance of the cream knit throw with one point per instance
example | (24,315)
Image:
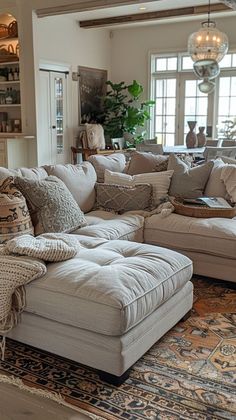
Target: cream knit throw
(22,261)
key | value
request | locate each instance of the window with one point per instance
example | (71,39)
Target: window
(174,87)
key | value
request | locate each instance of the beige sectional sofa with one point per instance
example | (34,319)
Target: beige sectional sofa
(120,294)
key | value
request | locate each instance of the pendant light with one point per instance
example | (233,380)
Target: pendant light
(208,42)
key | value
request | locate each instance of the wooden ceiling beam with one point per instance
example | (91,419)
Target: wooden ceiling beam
(148,16)
(86,5)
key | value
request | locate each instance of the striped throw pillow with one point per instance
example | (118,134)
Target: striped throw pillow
(160,182)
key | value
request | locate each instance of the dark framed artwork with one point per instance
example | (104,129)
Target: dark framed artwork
(92,87)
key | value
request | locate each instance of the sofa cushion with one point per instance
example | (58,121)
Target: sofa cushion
(216,236)
(188,182)
(80,181)
(120,198)
(115,162)
(228,176)
(51,205)
(160,182)
(112,226)
(31,173)
(228,160)
(141,163)
(215,187)
(109,288)
(14,214)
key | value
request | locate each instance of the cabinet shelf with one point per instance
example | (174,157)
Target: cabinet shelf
(10,82)
(9,105)
(9,63)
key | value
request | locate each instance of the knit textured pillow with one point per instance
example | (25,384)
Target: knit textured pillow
(51,205)
(122,198)
(14,214)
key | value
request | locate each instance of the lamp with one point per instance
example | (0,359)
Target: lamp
(206,69)
(208,42)
(207,47)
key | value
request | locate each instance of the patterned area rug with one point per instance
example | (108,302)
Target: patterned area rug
(189,374)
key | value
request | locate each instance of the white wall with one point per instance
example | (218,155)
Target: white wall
(59,39)
(131,46)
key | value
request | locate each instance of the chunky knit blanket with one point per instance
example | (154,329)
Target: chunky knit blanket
(22,260)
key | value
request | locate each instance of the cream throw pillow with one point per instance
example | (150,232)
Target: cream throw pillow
(215,187)
(95,136)
(228,176)
(115,162)
(160,182)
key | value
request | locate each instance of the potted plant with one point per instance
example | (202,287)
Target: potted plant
(124,112)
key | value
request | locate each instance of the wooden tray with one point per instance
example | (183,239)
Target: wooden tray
(201,211)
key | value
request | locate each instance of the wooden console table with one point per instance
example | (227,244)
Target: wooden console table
(88,152)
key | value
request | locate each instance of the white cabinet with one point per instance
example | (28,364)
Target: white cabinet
(14,151)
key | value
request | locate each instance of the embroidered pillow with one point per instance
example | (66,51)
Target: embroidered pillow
(122,198)
(51,205)
(188,182)
(160,182)
(14,214)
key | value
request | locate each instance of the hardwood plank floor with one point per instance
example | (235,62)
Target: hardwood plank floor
(16,404)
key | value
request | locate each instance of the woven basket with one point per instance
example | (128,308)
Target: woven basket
(201,211)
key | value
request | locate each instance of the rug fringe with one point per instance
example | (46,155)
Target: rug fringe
(11,380)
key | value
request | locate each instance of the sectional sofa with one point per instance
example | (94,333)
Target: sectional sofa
(120,294)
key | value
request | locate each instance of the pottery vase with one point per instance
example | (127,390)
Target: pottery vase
(191,137)
(201,137)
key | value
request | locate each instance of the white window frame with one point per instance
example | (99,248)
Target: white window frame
(181,75)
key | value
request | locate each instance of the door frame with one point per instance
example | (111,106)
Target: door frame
(51,66)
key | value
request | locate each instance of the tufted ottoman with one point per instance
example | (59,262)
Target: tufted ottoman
(107,306)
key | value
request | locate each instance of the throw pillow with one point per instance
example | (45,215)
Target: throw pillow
(228,160)
(51,205)
(228,176)
(188,182)
(14,214)
(160,182)
(80,181)
(215,187)
(141,163)
(115,162)
(122,198)
(95,136)
(36,173)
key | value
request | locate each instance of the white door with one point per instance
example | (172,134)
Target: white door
(53,143)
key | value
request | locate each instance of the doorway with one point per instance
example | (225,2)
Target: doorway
(54,141)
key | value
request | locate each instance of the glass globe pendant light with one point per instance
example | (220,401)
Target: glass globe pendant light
(208,42)
(207,86)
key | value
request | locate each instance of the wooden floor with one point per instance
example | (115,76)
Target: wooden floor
(16,404)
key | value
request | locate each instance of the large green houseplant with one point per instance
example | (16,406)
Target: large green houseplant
(124,112)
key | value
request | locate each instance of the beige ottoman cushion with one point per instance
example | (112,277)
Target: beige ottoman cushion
(110,288)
